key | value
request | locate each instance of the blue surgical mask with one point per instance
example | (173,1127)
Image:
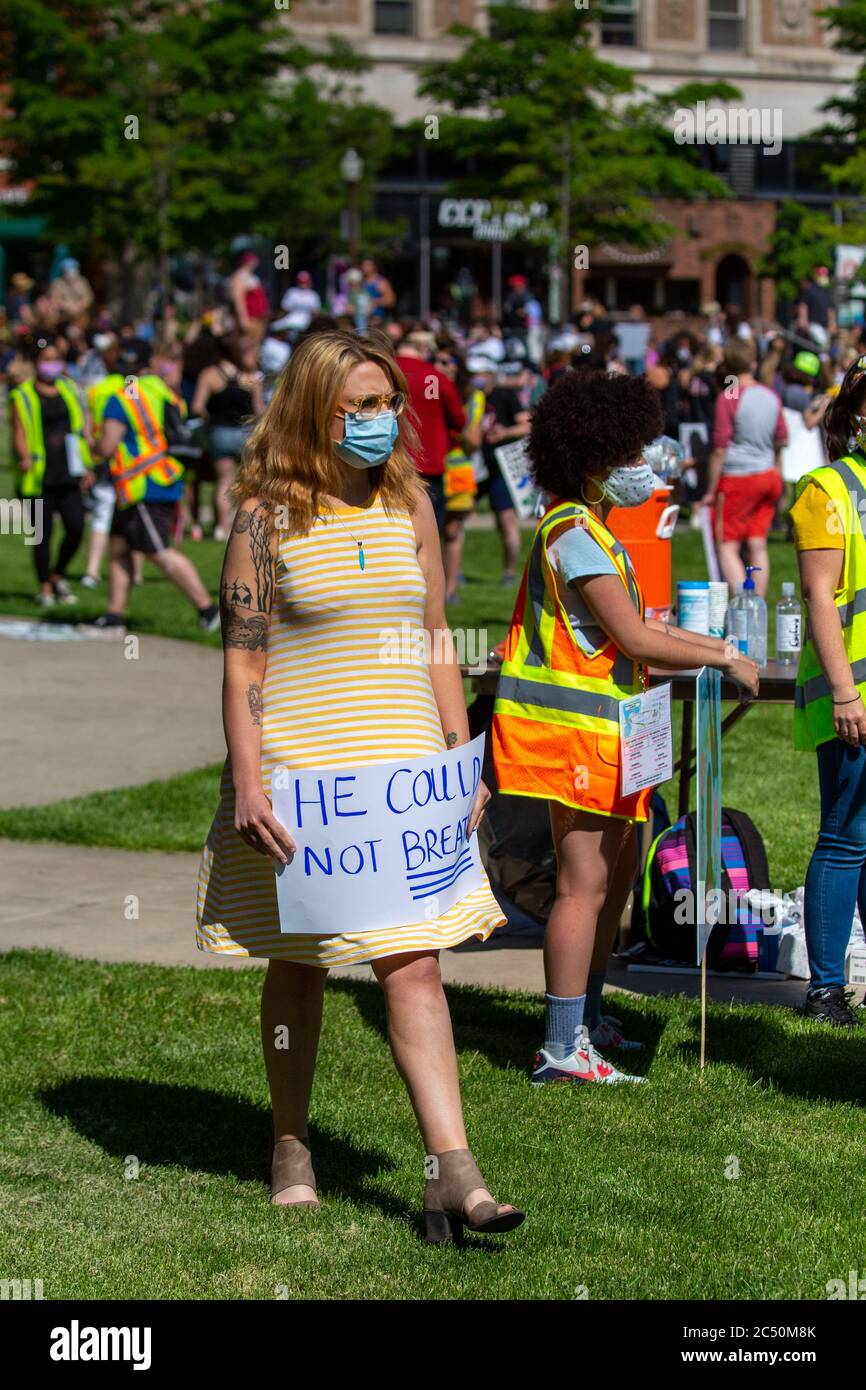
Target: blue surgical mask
(368,443)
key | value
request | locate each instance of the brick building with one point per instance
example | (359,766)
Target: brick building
(777,52)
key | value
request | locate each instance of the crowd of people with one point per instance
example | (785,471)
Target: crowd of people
(374,437)
(723,383)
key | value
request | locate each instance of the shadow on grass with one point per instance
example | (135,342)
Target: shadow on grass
(188,1127)
(507,1032)
(821,1063)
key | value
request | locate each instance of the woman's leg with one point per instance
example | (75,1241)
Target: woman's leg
(224,469)
(96,553)
(42,551)
(453,552)
(621,883)
(837,865)
(71,509)
(292,998)
(422,1044)
(587,850)
(758,552)
(509,532)
(731,565)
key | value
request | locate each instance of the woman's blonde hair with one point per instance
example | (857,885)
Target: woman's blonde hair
(289,460)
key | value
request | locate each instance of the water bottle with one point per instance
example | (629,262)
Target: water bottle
(747,620)
(758,625)
(737,621)
(789,626)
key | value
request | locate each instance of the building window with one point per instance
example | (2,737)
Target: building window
(619,23)
(682,296)
(726,25)
(394,17)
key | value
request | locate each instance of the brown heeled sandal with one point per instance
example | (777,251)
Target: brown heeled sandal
(291,1167)
(445,1195)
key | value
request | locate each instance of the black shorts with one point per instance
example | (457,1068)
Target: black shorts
(435,484)
(145,526)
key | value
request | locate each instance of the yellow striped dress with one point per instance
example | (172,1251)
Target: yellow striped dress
(331,701)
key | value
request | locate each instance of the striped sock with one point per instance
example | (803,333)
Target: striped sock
(562,1021)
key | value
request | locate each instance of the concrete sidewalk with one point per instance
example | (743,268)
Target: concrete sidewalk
(76,899)
(81,716)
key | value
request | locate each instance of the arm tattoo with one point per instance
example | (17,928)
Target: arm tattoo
(260,554)
(247,630)
(245,614)
(450,740)
(254,700)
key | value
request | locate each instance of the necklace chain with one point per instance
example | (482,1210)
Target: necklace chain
(359,544)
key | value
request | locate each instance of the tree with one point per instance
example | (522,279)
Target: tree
(802,239)
(845,138)
(152,126)
(547,113)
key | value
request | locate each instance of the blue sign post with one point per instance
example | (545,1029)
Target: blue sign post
(708,828)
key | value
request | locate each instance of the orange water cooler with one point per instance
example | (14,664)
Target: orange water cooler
(646,533)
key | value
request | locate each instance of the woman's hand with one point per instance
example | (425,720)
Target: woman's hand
(745,672)
(482,796)
(256,823)
(708,500)
(849,719)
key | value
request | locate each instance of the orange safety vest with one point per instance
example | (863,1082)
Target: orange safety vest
(556,717)
(130,472)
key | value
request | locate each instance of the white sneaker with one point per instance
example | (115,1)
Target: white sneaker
(608,1034)
(88,581)
(45,600)
(63,593)
(584,1064)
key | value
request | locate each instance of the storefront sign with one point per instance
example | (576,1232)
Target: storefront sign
(477,215)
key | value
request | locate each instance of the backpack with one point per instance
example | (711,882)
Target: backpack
(178,435)
(670,869)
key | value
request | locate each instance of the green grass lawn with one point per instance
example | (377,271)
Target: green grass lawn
(625,1187)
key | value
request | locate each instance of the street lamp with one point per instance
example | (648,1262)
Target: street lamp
(351,171)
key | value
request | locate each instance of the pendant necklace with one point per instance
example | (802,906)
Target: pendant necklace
(359,544)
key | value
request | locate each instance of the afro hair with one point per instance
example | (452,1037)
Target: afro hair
(587,424)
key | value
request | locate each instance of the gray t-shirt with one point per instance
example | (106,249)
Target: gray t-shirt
(577,555)
(749,427)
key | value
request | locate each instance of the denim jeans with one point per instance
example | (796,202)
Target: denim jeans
(836,877)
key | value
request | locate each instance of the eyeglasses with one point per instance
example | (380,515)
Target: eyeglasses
(368,407)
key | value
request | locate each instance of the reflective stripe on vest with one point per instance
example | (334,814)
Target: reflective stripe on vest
(130,472)
(556,716)
(26,400)
(845,484)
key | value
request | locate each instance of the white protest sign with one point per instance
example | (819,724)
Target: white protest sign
(513,463)
(380,845)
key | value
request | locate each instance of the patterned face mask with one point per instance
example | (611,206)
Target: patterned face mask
(858,422)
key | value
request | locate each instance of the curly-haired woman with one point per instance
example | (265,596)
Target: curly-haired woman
(578,645)
(334,543)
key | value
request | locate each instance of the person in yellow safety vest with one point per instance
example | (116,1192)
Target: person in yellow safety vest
(578,646)
(106,347)
(52,441)
(828,517)
(460,484)
(148,485)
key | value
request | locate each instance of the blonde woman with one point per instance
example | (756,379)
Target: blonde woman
(334,541)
